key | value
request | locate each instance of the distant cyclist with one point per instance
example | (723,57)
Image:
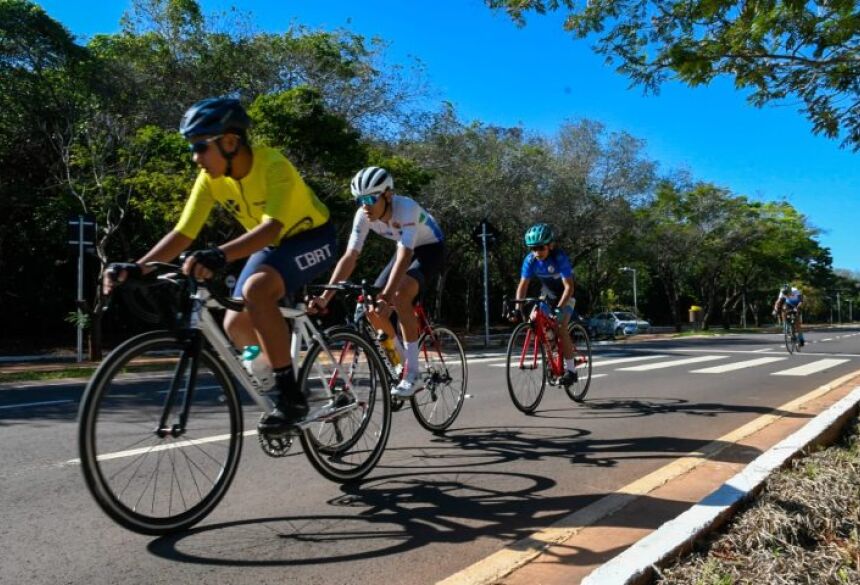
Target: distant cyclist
(552,267)
(419,257)
(289,238)
(790,299)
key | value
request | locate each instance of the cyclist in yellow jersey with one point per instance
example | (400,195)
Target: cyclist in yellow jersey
(289,239)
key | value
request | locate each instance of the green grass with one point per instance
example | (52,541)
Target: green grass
(46,375)
(71,372)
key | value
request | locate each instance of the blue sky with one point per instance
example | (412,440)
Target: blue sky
(539,76)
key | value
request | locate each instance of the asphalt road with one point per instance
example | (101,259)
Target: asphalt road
(434,505)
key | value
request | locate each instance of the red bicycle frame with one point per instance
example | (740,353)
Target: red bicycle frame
(537,335)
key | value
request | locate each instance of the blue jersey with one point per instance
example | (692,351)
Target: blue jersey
(549,272)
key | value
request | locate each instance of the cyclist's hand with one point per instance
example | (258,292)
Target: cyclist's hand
(203,263)
(317,305)
(558,313)
(118,272)
(514,316)
(382,305)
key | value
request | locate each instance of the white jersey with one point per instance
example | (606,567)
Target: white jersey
(410,226)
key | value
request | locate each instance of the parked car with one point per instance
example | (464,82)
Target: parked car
(617,324)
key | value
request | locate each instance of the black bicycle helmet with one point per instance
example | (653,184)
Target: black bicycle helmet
(214,116)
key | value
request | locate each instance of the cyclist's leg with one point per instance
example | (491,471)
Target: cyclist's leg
(426,262)
(567,344)
(269,275)
(381,321)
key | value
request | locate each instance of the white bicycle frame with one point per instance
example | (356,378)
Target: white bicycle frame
(303,335)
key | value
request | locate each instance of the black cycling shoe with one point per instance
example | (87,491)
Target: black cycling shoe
(568,378)
(283,418)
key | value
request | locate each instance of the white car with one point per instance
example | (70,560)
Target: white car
(617,324)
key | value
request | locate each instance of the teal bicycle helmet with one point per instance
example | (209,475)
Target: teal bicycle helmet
(539,234)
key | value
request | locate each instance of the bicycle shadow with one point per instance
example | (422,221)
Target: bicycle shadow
(392,515)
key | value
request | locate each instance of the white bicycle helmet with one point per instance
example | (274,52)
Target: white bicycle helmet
(371,181)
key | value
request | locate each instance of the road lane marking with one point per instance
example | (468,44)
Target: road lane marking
(673,363)
(164,447)
(25,405)
(812,368)
(596,363)
(738,365)
(828,339)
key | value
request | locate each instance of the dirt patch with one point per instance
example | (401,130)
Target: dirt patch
(804,527)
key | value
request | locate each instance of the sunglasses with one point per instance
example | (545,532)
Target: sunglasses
(366,200)
(203,145)
(538,248)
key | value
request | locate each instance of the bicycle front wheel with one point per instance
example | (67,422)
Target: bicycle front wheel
(788,333)
(582,358)
(526,368)
(346,446)
(147,478)
(445,374)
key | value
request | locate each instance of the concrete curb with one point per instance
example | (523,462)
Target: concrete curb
(635,565)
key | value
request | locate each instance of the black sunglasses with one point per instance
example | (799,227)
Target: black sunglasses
(203,145)
(540,248)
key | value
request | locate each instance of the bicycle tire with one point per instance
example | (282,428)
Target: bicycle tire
(582,354)
(105,415)
(533,395)
(787,333)
(444,381)
(347,447)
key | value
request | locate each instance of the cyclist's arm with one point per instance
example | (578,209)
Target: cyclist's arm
(265,234)
(568,291)
(401,265)
(522,290)
(168,248)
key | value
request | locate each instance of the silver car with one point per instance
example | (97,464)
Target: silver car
(617,324)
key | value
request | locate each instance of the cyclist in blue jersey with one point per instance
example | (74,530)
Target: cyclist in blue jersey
(552,267)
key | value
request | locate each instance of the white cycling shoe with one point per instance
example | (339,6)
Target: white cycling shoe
(408,387)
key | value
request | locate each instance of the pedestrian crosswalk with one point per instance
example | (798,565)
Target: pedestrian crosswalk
(662,361)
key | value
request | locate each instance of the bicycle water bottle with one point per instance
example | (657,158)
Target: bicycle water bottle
(255,364)
(388,345)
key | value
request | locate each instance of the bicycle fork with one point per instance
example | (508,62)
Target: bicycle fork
(189,359)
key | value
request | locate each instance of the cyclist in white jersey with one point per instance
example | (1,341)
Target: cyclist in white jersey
(418,259)
(790,298)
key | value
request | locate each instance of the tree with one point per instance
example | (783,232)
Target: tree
(776,49)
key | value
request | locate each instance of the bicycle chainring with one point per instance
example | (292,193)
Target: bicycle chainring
(275,445)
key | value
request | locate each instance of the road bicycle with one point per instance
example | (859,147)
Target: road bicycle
(534,356)
(161,426)
(443,361)
(789,331)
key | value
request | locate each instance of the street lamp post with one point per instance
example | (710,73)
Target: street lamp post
(635,303)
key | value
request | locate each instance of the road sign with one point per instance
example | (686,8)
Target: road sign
(485,230)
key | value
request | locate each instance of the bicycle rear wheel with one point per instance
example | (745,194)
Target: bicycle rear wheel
(345,447)
(582,355)
(445,374)
(148,481)
(526,368)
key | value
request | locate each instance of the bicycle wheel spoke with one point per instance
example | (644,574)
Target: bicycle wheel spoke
(526,368)
(151,482)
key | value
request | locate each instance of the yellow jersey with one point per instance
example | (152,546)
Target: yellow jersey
(273,189)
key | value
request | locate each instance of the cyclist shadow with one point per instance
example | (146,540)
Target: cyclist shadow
(510,445)
(392,515)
